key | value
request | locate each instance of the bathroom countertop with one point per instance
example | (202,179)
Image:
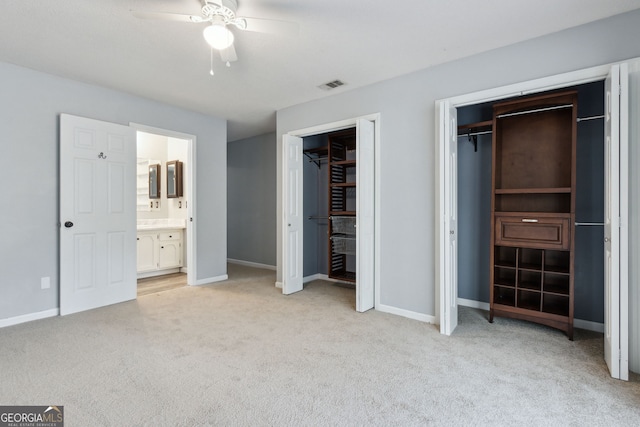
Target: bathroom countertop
(160,224)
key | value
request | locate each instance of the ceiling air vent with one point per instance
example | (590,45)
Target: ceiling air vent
(331,85)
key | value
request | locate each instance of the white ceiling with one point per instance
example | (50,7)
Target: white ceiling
(357,41)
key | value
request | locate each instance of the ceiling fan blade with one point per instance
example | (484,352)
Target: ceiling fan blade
(163,16)
(269,26)
(229,54)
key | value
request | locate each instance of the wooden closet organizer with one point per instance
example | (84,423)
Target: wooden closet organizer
(342,209)
(533,209)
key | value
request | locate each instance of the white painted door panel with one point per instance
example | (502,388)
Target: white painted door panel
(365,204)
(615,219)
(448,197)
(97,214)
(292,242)
(451,266)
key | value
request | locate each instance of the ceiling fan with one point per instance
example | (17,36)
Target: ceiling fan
(221,14)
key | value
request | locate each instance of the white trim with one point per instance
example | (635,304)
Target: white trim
(211,280)
(343,124)
(158,273)
(377,207)
(191,234)
(313,277)
(250,264)
(324,277)
(589,325)
(543,84)
(578,323)
(473,304)
(523,88)
(10,321)
(407,313)
(333,126)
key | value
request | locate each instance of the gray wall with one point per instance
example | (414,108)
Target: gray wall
(407,164)
(251,188)
(474,209)
(30,106)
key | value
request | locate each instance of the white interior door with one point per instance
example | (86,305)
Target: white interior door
(97,214)
(365,204)
(292,240)
(448,190)
(615,223)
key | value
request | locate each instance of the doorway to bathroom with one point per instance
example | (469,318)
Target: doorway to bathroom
(164,206)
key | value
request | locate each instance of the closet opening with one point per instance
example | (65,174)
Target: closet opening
(329,190)
(560,286)
(329,207)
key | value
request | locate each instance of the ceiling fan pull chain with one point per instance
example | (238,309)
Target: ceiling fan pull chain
(211,69)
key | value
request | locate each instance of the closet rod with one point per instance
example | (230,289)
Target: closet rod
(318,159)
(474,133)
(537,110)
(589,223)
(584,119)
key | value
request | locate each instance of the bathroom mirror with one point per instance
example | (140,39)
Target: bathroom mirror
(174,179)
(154,181)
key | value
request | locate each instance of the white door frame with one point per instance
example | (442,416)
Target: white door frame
(524,88)
(335,126)
(190,194)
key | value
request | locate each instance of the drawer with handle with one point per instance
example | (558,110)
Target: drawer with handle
(533,230)
(170,235)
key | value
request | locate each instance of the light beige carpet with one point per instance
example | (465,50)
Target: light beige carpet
(241,353)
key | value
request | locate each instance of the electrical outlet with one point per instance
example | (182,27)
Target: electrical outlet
(45,282)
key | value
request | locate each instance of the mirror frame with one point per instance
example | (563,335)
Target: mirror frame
(177,179)
(154,188)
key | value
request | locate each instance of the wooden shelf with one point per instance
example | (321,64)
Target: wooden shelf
(343,184)
(477,125)
(318,150)
(344,163)
(559,190)
(342,213)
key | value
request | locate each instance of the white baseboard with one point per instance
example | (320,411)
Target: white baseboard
(210,280)
(158,273)
(29,317)
(578,323)
(279,285)
(473,304)
(589,325)
(406,313)
(320,276)
(251,264)
(313,277)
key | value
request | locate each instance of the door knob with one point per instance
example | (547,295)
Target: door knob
(68,224)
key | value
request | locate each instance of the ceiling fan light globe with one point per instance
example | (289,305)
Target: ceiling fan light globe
(218,36)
